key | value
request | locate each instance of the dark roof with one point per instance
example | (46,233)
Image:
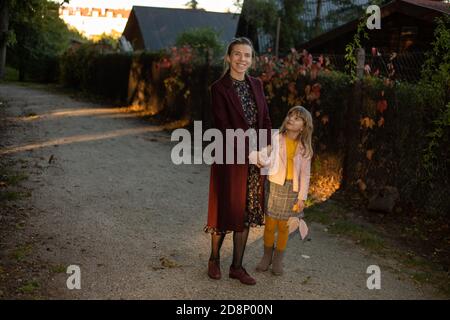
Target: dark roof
(431,4)
(420,9)
(161,26)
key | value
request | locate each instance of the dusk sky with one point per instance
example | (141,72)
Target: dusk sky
(209,5)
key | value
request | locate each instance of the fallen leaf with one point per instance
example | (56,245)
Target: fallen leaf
(167,263)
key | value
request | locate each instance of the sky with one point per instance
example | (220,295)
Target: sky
(209,5)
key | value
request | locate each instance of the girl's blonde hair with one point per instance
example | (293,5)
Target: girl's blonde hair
(305,136)
(235,41)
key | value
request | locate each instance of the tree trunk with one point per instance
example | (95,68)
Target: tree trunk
(4,21)
(317,19)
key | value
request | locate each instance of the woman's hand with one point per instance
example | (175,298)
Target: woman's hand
(298,206)
(260,162)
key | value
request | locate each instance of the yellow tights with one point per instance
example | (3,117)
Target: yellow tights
(269,233)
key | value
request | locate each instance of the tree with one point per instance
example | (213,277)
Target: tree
(263,15)
(34,34)
(193,4)
(202,40)
(4,21)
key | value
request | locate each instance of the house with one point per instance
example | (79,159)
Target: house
(92,21)
(406,26)
(153,29)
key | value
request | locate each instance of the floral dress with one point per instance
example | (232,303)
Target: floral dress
(255,214)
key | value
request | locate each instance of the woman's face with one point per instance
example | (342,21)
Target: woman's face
(295,122)
(240,58)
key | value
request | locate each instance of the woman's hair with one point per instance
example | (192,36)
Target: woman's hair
(235,41)
(305,136)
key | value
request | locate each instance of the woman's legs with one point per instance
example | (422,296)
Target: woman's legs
(216,244)
(239,243)
(214,259)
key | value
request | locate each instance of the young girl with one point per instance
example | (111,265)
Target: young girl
(289,175)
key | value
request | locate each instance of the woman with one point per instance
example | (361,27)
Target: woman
(236,195)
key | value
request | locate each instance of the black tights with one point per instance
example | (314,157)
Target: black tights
(239,243)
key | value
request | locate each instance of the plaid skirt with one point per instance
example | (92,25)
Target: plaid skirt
(279,200)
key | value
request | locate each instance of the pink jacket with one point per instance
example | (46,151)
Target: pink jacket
(275,165)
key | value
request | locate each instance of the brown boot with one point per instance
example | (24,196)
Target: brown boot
(266,260)
(277,263)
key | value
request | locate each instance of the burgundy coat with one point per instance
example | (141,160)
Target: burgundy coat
(228,182)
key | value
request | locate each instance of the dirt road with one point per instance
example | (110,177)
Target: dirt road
(106,197)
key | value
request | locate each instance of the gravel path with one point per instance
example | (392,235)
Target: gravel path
(112,202)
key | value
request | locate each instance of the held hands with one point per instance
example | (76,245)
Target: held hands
(299,205)
(262,160)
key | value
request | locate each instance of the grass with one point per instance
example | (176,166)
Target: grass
(339,222)
(11,74)
(22,252)
(58,269)
(366,237)
(30,287)
(7,195)
(12,178)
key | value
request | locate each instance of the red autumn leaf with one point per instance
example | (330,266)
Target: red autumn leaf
(316,90)
(291,88)
(314,71)
(381,122)
(382,105)
(374,51)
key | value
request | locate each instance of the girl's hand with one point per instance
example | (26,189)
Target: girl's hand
(262,158)
(259,163)
(299,206)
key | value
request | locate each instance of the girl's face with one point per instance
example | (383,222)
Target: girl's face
(295,122)
(240,59)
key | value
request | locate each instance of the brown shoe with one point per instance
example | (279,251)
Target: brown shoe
(242,275)
(214,269)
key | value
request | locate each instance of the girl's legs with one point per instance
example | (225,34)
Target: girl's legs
(283,235)
(269,239)
(269,232)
